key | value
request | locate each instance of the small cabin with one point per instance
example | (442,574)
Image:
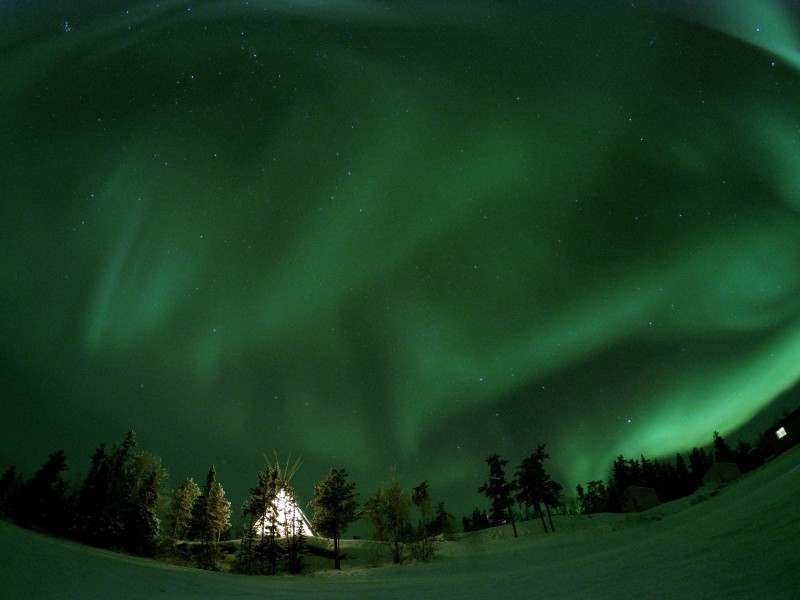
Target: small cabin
(785,433)
(639,498)
(722,472)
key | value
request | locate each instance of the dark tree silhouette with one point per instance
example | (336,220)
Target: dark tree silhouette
(442,522)
(722,451)
(43,498)
(423,547)
(534,486)
(143,524)
(104,502)
(10,488)
(334,508)
(259,548)
(683,479)
(594,499)
(699,462)
(499,489)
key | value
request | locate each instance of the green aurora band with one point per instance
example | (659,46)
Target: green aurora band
(400,234)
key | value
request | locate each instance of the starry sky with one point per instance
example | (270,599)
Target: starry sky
(396,235)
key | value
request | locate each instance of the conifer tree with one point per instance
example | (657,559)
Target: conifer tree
(682,477)
(423,547)
(746,459)
(700,462)
(202,525)
(421,499)
(499,490)
(220,512)
(293,534)
(43,497)
(442,521)
(594,499)
(180,511)
(622,474)
(535,487)
(142,523)
(334,508)
(722,451)
(92,499)
(105,499)
(666,481)
(258,549)
(10,488)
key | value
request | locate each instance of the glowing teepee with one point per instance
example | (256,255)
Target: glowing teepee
(286,516)
(283,514)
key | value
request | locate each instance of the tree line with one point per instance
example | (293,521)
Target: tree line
(670,479)
(116,506)
(120,502)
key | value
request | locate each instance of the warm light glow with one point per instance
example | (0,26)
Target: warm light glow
(287,513)
(781,433)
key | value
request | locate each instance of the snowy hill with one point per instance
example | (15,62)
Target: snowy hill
(739,541)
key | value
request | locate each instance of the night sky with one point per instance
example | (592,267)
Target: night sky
(395,235)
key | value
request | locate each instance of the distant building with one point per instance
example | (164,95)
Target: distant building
(639,498)
(722,472)
(785,433)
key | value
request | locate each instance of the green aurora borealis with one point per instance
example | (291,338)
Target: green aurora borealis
(395,234)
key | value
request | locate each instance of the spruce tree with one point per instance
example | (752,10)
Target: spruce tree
(722,451)
(499,489)
(700,462)
(180,511)
(442,521)
(220,513)
(142,523)
(594,499)
(335,508)
(621,478)
(421,499)
(92,499)
(202,523)
(105,499)
(293,534)
(746,460)
(683,478)
(423,547)
(535,487)
(10,488)
(257,549)
(43,498)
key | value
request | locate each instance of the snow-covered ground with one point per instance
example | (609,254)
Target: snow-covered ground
(741,541)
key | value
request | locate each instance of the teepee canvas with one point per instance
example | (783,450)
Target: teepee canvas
(286,515)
